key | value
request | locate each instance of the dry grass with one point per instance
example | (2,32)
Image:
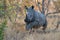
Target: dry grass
(14,35)
(18,32)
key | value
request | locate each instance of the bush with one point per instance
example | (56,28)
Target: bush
(2,26)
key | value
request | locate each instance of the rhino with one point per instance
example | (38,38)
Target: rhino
(34,19)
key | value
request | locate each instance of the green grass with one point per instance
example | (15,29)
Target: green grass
(2,26)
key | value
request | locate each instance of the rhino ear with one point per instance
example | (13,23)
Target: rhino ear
(26,7)
(32,7)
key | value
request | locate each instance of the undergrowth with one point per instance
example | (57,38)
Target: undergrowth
(2,26)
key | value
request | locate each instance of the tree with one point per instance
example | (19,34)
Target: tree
(43,11)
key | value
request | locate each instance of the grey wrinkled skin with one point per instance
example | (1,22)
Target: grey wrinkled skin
(34,18)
